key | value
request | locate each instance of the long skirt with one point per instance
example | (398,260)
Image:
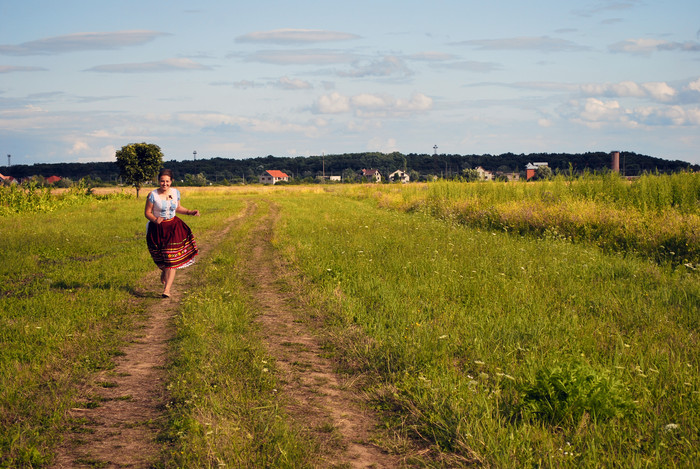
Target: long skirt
(171,244)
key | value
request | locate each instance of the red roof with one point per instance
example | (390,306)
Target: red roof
(52,179)
(276,173)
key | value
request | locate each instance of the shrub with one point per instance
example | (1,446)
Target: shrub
(563,393)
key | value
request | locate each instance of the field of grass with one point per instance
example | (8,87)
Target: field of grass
(492,347)
(506,350)
(655,216)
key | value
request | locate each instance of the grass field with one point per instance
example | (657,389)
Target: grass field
(489,346)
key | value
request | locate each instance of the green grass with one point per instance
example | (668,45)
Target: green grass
(225,408)
(492,348)
(654,217)
(463,328)
(69,294)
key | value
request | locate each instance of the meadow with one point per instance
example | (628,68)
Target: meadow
(486,344)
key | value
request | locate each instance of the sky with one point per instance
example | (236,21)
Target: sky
(249,78)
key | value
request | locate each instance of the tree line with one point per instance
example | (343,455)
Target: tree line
(347,165)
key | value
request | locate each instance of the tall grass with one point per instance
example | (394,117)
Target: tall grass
(506,351)
(32,197)
(656,216)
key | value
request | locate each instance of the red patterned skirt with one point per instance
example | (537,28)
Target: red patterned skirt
(171,244)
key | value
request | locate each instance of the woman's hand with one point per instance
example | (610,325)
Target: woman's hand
(158,220)
(194,213)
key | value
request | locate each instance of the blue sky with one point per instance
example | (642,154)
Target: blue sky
(241,79)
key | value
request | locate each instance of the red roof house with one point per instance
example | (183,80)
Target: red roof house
(371,175)
(273,176)
(52,179)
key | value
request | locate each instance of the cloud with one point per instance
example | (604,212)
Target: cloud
(219,121)
(79,146)
(647,46)
(82,42)
(694,85)
(383,145)
(372,105)
(333,103)
(606,6)
(287,83)
(541,43)
(295,36)
(669,115)
(385,67)
(594,113)
(301,57)
(168,65)
(659,91)
(12,69)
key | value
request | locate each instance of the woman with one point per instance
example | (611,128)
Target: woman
(170,240)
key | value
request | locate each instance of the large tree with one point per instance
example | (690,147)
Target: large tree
(139,162)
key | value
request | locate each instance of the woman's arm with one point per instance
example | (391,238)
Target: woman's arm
(148,213)
(184,211)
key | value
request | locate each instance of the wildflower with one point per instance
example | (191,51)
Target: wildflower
(442,337)
(479,362)
(671,427)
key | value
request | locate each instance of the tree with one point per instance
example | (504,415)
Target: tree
(470,175)
(139,162)
(543,173)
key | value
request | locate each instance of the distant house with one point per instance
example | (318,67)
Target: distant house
(531,169)
(52,179)
(273,176)
(371,175)
(399,175)
(328,178)
(9,179)
(483,174)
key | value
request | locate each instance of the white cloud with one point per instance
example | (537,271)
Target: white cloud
(81,42)
(333,103)
(79,146)
(646,46)
(540,43)
(287,83)
(383,145)
(622,89)
(668,115)
(387,66)
(660,91)
(694,85)
(295,36)
(372,105)
(167,65)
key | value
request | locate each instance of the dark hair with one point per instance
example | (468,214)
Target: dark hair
(166,172)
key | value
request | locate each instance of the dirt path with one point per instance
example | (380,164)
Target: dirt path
(119,421)
(328,408)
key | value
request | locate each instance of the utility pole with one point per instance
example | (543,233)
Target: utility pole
(8,160)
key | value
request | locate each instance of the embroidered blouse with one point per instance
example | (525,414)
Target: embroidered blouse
(164,208)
